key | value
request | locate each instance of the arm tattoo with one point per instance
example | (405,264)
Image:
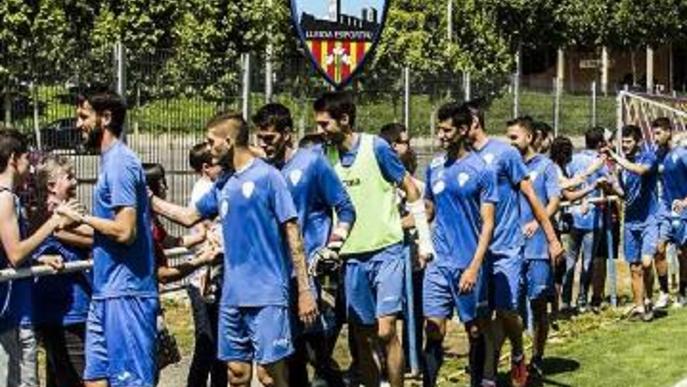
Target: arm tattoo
(296,246)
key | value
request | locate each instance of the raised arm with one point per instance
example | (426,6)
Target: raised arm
(185,216)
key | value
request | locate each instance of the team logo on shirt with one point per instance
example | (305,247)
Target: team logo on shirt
(488,158)
(463,178)
(438,187)
(295,176)
(247,189)
(533,175)
(437,162)
(224,208)
(674,157)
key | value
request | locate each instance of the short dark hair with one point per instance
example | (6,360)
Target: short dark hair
(663,123)
(543,128)
(594,136)
(474,107)
(525,122)
(12,142)
(392,132)
(155,174)
(243,135)
(198,155)
(633,131)
(108,100)
(336,103)
(276,115)
(561,151)
(457,113)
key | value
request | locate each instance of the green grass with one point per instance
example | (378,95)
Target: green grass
(189,114)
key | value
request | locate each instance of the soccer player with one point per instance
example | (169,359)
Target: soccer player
(587,226)
(18,349)
(318,194)
(638,186)
(121,327)
(462,194)
(259,221)
(673,163)
(373,252)
(505,262)
(538,275)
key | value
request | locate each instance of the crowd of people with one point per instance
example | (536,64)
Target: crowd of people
(292,240)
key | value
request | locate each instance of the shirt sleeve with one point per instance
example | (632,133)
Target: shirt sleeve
(282,202)
(389,163)
(514,166)
(488,186)
(208,205)
(122,182)
(552,185)
(333,191)
(649,160)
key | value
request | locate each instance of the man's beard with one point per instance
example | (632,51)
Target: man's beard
(226,160)
(94,138)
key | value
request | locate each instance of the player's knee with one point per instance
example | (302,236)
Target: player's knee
(239,374)
(265,377)
(647,262)
(386,331)
(636,269)
(473,331)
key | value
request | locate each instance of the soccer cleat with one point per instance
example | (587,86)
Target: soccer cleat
(536,370)
(635,313)
(488,383)
(663,301)
(680,302)
(648,315)
(518,373)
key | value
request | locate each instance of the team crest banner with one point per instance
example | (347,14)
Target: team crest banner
(339,35)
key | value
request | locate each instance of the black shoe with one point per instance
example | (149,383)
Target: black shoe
(536,370)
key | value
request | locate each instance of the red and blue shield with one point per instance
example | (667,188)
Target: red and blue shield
(339,35)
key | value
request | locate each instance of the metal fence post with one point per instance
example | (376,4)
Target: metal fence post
(7,104)
(593,103)
(119,56)
(516,82)
(406,97)
(269,90)
(36,129)
(245,91)
(466,85)
(556,105)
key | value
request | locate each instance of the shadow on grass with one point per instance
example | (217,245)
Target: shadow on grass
(552,366)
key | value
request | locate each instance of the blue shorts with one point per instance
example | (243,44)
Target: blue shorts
(664,230)
(503,273)
(261,334)
(121,337)
(538,279)
(440,294)
(640,243)
(374,284)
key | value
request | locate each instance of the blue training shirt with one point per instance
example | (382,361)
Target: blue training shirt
(253,204)
(641,192)
(674,177)
(119,269)
(458,188)
(389,164)
(592,219)
(62,299)
(543,174)
(316,190)
(510,172)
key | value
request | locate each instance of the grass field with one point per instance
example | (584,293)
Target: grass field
(587,350)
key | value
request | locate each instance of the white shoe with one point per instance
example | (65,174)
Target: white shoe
(679,303)
(663,301)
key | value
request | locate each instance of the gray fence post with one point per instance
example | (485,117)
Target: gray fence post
(245,91)
(466,85)
(516,82)
(7,104)
(593,104)
(119,61)
(36,129)
(406,97)
(269,89)
(556,105)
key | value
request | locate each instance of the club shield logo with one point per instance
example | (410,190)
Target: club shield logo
(339,35)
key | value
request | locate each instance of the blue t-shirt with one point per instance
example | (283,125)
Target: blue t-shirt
(641,192)
(62,299)
(543,174)
(458,188)
(510,172)
(316,190)
(593,218)
(252,205)
(673,167)
(389,164)
(120,269)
